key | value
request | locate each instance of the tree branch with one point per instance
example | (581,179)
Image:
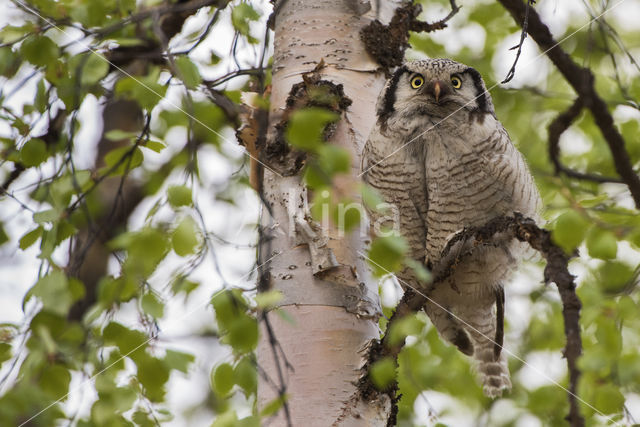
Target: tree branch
(556,128)
(188,7)
(556,271)
(420,26)
(387,43)
(582,81)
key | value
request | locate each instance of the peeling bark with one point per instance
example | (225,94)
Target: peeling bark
(326,286)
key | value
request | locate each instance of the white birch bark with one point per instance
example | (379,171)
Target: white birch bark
(333,318)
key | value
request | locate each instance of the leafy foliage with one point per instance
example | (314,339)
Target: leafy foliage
(113,243)
(78,326)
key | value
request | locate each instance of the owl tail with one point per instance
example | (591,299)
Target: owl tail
(477,332)
(494,373)
(487,340)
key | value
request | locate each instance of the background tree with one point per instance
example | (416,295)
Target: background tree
(129,215)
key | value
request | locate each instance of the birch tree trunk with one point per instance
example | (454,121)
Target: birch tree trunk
(316,360)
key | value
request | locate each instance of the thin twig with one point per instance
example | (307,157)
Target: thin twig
(282,389)
(232,75)
(206,31)
(523,36)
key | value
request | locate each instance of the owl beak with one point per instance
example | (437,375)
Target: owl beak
(437,89)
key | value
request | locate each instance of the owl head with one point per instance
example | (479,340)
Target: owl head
(433,87)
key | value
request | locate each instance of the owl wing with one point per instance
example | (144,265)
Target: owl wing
(508,167)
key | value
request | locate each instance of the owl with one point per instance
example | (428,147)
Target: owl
(439,156)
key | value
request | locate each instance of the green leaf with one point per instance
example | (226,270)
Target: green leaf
(386,254)
(609,399)
(629,370)
(178,360)
(180,284)
(251,421)
(245,374)
(122,160)
(569,231)
(315,177)
(146,249)
(185,238)
(4,237)
(9,61)
(119,135)
(179,195)
(614,276)
(152,306)
(127,340)
(188,72)
(48,242)
(63,187)
(601,243)
(421,272)
(407,325)
(54,293)
(50,215)
(209,119)
(370,197)
(65,230)
(227,419)
(383,372)
(224,307)
(153,374)
(142,419)
(42,97)
(223,379)
(155,145)
(30,238)
(241,15)
(145,90)
(334,159)
(243,334)
(112,290)
(106,410)
(609,336)
(95,69)
(348,215)
(268,299)
(55,381)
(10,34)
(306,126)
(123,398)
(40,50)
(273,406)
(33,152)
(5,352)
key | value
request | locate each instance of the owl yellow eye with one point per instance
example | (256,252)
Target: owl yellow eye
(456,82)
(417,81)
